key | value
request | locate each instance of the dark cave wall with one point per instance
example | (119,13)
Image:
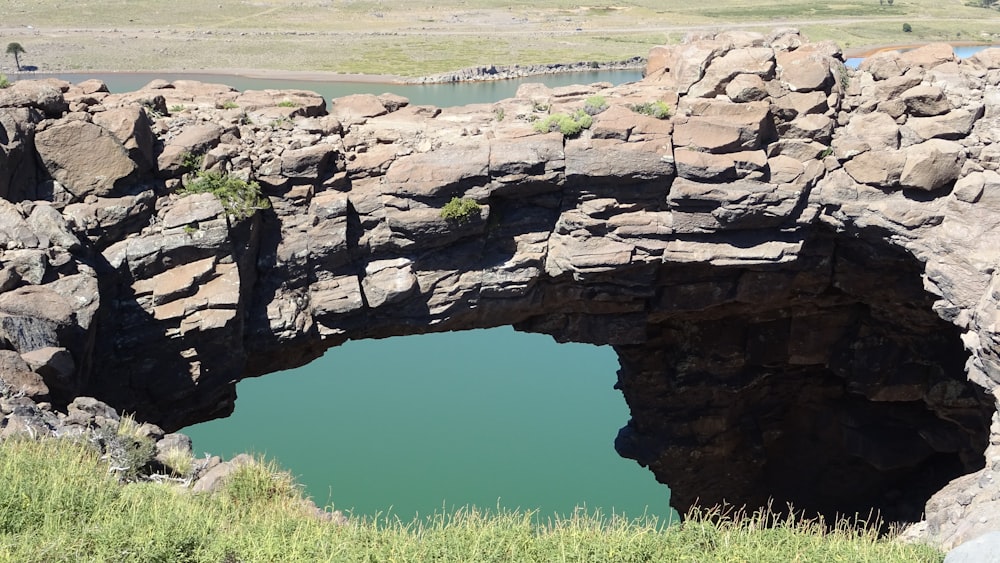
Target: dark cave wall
(836,397)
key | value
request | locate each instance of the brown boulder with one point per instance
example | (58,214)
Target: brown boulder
(85,158)
(804,70)
(816,127)
(725,128)
(442,172)
(34,94)
(874,131)
(925,101)
(625,162)
(953,125)
(746,88)
(876,168)
(928,56)
(686,63)
(131,127)
(757,61)
(192,141)
(883,65)
(932,164)
(357,108)
(17,374)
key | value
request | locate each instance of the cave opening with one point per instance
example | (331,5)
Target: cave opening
(414,424)
(830,386)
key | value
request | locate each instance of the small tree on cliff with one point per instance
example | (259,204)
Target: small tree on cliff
(15,49)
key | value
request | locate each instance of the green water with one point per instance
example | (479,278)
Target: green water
(413,424)
(441,95)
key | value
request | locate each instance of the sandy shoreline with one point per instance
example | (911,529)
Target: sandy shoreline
(867,51)
(263,74)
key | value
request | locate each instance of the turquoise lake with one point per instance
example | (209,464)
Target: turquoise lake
(413,425)
(419,423)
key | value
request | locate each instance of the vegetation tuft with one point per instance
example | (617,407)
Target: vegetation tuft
(595,105)
(568,125)
(658,109)
(239,198)
(192,161)
(4,82)
(460,210)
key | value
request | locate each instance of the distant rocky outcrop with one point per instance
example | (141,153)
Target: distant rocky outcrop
(507,72)
(797,267)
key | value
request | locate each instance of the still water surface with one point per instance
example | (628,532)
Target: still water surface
(416,423)
(441,95)
(491,418)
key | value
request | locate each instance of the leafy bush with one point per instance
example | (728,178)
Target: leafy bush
(228,104)
(595,105)
(192,161)
(568,125)
(287,104)
(177,108)
(4,83)
(127,452)
(907,28)
(239,198)
(658,109)
(461,210)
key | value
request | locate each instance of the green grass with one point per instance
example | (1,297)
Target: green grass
(58,502)
(421,37)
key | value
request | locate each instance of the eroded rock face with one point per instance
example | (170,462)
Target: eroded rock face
(797,267)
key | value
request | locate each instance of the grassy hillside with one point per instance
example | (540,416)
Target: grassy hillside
(59,502)
(420,37)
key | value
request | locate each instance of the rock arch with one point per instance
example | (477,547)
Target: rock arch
(797,268)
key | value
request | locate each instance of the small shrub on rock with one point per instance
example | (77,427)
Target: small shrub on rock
(179,460)
(461,210)
(128,453)
(568,125)
(595,105)
(239,198)
(4,82)
(260,482)
(658,109)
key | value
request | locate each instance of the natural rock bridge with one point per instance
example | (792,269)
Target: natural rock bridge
(797,269)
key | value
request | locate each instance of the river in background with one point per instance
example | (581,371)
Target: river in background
(441,95)
(413,425)
(962,52)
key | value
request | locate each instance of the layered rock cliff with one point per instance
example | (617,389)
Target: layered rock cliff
(797,268)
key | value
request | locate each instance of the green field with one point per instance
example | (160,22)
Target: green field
(420,37)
